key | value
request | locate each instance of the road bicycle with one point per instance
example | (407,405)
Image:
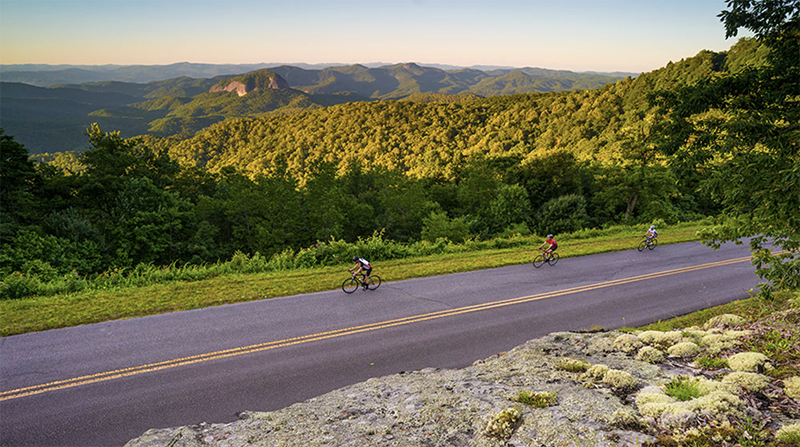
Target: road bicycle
(649,243)
(351,284)
(550,258)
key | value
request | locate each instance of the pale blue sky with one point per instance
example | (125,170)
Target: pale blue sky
(577,35)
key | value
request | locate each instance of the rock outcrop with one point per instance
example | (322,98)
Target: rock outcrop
(565,389)
(254,81)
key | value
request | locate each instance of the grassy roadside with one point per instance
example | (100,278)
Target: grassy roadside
(52,312)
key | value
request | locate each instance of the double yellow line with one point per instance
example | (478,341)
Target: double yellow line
(174,363)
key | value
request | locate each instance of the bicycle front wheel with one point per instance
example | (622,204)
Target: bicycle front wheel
(652,244)
(374,282)
(350,285)
(642,245)
(553,259)
(538,261)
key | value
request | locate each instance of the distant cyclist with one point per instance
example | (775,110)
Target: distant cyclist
(651,233)
(551,243)
(363,266)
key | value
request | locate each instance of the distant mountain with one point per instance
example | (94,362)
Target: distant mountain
(54,119)
(48,75)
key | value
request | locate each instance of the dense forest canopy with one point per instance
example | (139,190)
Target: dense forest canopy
(426,167)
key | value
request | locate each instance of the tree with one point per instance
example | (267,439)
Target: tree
(17,182)
(743,131)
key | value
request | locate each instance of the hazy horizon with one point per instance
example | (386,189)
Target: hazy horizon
(575,35)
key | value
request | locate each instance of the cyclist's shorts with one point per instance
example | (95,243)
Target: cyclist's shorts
(368,271)
(553,248)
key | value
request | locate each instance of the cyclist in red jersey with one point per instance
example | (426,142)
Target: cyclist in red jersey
(551,243)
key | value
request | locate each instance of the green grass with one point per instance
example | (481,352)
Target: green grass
(41,313)
(683,388)
(536,399)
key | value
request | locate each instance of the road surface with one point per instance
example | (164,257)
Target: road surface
(103,384)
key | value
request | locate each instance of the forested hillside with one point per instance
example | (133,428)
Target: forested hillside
(54,119)
(423,168)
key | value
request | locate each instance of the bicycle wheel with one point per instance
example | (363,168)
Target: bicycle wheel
(553,259)
(642,245)
(652,244)
(350,285)
(374,282)
(538,261)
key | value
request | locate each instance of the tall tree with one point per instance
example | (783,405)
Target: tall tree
(743,130)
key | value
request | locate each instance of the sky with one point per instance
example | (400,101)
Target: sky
(576,35)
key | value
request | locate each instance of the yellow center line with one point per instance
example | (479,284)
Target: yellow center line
(157,366)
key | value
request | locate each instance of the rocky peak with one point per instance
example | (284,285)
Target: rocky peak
(254,81)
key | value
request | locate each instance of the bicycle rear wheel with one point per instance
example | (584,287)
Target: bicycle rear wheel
(642,245)
(350,285)
(374,282)
(553,259)
(538,261)
(652,244)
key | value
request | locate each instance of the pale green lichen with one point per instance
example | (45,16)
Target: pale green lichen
(789,434)
(594,374)
(503,424)
(716,398)
(627,343)
(619,379)
(627,419)
(650,354)
(685,349)
(791,386)
(573,365)
(748,362)
(724,320)
(747,380)
(660,338)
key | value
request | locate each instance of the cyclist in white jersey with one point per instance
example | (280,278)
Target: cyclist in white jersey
(363,266)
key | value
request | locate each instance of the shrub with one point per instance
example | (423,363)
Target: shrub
(562,215)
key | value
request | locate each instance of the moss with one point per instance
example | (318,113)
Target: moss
(573,365)
(650,354)
(748,362)
(685,349)
(503,424)
(708,362)
(537,399)
(684,388)
(791,386)
(747,380)
(725,320)
(627,343)
(619,379)
(789,434)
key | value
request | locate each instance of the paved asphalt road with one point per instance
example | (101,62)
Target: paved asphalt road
(103,384)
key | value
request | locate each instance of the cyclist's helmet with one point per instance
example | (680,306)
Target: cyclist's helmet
(549,235)
(355,258)
(652,227)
